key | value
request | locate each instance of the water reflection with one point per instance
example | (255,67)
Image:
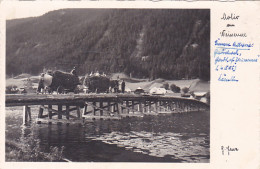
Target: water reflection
(164,138)
(159,145)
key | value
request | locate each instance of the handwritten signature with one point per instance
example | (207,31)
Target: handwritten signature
(228,149)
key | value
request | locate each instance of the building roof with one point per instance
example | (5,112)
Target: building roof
(200,86)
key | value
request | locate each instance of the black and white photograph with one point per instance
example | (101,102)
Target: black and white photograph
(108,85)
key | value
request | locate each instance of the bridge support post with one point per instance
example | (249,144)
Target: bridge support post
(174,106)
(40,112)
(168,106)
(180,107)
(140,107)
(67,112)
(26,114)
(149,107)
(101,106)
(109,107)
(85,109)
(127,105)
(94,109)
(133,106)
(119,108)
(50,111)
(156,106)
(79,115)
(116,108)
(160,105)
(59,111)
(113,108)
(25,117)
(144,107)
(186,107)
(29,113)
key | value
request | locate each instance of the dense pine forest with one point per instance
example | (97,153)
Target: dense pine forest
(146,43)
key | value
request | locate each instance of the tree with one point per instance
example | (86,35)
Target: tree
(175,88)
(166,86)
(185,90)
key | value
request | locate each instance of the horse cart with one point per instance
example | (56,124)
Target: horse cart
(97,84)
(59,81)
(101,84)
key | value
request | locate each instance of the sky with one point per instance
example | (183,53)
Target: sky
(23,10)
(12,9)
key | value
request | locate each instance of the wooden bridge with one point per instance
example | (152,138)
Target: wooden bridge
(78,108)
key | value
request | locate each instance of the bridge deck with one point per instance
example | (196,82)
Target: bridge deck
(78,99)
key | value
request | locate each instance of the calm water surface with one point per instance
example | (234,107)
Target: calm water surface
(163,138)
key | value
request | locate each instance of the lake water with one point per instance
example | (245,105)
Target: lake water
(163,138)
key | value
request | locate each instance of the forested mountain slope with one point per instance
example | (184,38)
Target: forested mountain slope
(154,43)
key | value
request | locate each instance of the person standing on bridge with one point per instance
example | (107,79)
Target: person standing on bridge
(74,71)
(123,86)
(41,84)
